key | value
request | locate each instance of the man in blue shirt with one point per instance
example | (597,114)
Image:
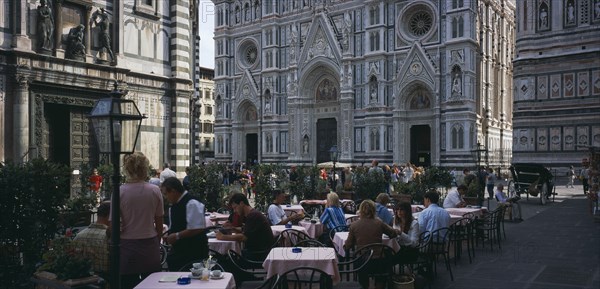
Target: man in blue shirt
(433,217)
(382,211)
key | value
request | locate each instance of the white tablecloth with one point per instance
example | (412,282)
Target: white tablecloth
(152,282)
(223,246)
(313,230)
(282,259)
(340,238)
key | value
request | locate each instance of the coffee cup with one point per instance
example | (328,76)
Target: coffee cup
(197,265)
(196,272)
(216,273)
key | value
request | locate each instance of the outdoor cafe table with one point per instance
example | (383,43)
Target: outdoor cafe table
(314,230)
(292,208)
(453,218)
(223,246)
(214,219)
(340,238)
(153,282)
(282,259)
(478,212)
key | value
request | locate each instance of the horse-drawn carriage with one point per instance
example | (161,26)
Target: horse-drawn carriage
(533,180)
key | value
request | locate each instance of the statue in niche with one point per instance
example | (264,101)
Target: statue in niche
(373,90)
(75,47)
(420,101)
(247,13)
(597,9)
(45,26)
(570,13)
(237,14)
(256,10)
(347,30)
(102,21)
(305,145)
(456,84)
(543,18)
(291,85)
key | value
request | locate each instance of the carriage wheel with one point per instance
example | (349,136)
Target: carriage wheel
(511,189)
(544,194)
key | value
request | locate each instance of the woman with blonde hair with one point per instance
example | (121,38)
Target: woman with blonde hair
(332,217)
(368,230)
(142,213)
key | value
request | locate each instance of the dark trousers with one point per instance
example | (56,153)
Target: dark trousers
(586,185)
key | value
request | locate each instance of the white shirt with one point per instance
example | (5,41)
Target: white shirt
(412,238)
(167,173)
(276,214)
(194,214)
(453,199)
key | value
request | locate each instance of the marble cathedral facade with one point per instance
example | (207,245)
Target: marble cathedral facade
(557,82)
(57,57)
(396,81)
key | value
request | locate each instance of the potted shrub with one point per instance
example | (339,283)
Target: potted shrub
(64,266)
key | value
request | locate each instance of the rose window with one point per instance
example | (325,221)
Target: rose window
(420,23)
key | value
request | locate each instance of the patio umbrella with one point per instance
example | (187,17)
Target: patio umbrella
(329,165)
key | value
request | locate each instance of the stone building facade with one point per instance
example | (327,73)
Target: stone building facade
(205,116)
(396,81)
(556,81)
(58,57)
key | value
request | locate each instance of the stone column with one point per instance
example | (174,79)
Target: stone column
(88,30)
(21,119)
(59,51)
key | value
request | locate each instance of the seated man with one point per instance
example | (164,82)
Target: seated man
(276,213)
(511,203)
(256,234)
(382,211)
(433,217)
(454,198)
(187,233)
(94,241)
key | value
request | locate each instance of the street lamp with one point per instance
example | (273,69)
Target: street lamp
(477,153)
(334,154)
(116,122)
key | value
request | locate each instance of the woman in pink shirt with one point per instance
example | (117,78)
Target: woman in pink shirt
(141,222)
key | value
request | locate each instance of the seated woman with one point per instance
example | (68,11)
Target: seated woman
(332,217)
(407,228)
(368,230)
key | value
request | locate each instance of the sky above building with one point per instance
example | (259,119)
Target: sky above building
(207,30)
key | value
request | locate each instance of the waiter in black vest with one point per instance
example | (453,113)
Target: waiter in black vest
(187,230)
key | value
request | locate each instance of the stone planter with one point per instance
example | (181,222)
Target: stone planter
(402,198)
(47,280)
(472,201)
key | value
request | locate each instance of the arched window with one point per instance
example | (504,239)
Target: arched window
(457,136)
(374,139)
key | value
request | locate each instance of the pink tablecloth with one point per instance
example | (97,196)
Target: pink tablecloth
(453,218)
(223,246)
(152,282)
(292,208)
(340,238)
(282,259)
(313,230)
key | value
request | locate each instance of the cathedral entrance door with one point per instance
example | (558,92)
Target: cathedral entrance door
(326,138)
(420,145)
(251,148)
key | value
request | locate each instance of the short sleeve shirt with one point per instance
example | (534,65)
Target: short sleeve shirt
(259,236)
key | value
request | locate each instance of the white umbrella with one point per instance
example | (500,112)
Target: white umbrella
(329,165)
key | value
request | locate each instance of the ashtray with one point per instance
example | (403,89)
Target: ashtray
(288,226)
(296,250)
(288,206)
(183,280)
(313,221)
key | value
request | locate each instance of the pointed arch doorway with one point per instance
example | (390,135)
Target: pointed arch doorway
(420,145)
(326,138)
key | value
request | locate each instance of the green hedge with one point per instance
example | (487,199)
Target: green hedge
(31,197)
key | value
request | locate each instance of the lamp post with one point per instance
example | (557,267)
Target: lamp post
(333,154)
(116,123)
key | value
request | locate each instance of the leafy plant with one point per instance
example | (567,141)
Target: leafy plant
(206,184)
(66,260)
(266,178)
(32,196)
(368,184)
(308,184)
(432,179)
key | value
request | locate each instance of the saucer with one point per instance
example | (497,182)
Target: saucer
(217,278)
